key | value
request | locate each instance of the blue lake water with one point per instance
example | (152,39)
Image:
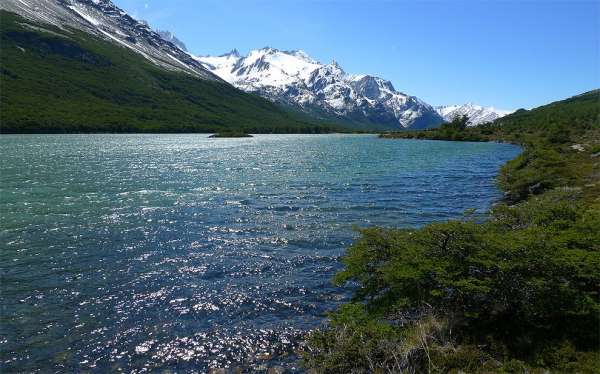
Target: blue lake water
(141,253)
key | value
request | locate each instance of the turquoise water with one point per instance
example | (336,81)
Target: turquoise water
(147,252)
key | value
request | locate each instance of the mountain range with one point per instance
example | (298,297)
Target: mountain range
(86,66)
(477,114)
(294,78)
(325,90)
(303,88)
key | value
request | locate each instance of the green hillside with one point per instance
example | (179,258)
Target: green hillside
(519,293)
(547,132)
(53,80)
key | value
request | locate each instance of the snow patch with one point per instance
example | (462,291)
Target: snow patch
(477,114)
(85,16)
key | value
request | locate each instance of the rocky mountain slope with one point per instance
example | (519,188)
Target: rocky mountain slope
(61,79)
(102,18)
(170,37)
(477,114)
(326,90)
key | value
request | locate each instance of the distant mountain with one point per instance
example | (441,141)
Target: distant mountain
(104,19)
(477,114)
(170,37)
(319,91)
(324,90)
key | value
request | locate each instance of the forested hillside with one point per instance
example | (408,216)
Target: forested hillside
(65,80)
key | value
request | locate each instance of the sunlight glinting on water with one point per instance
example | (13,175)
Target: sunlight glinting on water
(137,252)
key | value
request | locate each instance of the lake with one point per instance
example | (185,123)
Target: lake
(180,252)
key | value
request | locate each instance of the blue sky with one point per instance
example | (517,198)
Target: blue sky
(507,54)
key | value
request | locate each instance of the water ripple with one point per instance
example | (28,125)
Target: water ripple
(141,253)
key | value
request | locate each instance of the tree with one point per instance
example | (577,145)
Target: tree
(459,122)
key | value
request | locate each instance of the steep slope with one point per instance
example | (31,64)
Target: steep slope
(62,79)
(477,114)
(325,90)
(103,19)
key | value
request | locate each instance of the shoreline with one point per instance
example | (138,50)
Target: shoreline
(515,289)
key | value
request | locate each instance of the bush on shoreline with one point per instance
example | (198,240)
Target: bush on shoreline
(517,293)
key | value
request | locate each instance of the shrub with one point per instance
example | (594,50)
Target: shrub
(524,281)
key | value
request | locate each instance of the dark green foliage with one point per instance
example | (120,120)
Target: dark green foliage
(534,171)
(57,81)
(511,289)
(457,123)
(576,114)
(519,292)
(559,134)
(453,130)
(536,265)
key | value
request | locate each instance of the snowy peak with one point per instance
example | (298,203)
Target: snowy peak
(265,67)
(233,53)
(373,88)
(279,64)
(294,78)
(105,20)
(477,114)
(170,37)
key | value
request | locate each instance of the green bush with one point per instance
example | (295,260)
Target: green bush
(525,280)
(518,293)
(559,135)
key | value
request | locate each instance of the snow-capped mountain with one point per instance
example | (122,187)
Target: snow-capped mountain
(104,19)
(289,77)
(170,37)
(477,114)
(294,78)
